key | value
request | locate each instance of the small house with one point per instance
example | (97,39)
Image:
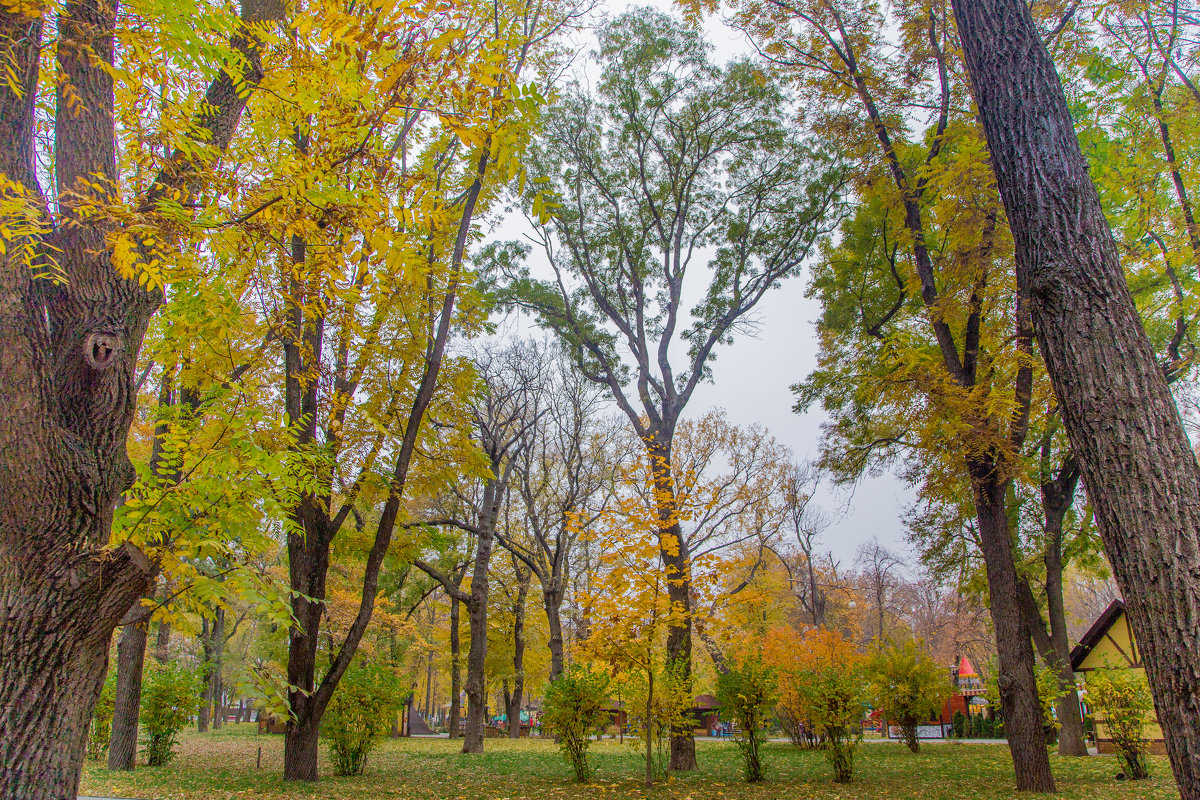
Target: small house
(1109,643)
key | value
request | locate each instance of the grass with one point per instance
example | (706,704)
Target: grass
(221,766)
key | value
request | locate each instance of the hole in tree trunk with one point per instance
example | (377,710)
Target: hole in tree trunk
(101,349)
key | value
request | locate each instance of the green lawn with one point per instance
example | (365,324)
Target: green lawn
(221,766)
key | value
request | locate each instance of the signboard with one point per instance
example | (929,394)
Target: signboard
(923,732)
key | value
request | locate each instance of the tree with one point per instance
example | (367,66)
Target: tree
(74,323)
(807,523)
(927,343)
(908,686)
(565,480)
(823,687)
(574,710)
(876,567)
(1119,415)
(671,154)
(503,418)
(746,693)
(380,163)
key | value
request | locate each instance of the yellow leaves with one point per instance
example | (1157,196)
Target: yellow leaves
(23,228)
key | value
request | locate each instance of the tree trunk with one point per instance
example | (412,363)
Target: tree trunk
(676,562)
(69,391)
(1141,474)
(308,565)
(514,712)
(206,646)
(552,602)
(1018,686)
(162,643)
(131,659)
(1071,741)
(455,670)
(300,749)
(218,681)
(477,617)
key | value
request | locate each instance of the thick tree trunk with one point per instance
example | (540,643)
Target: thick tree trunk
(131,659)
(477,617)
(69,391)
(308,565)
(552,602)
(1141,474)
(1018,686)
(476,687)
(455,669)
(300,750)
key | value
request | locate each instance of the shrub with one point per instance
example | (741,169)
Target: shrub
(169,695)
(101,728)
(908,686)
(821,681)
(360,711)
(746,693)
(959,724)
(574,710)
(1121,700)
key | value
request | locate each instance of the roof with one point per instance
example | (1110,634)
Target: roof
(706,701)
(966,669)
(1094,634)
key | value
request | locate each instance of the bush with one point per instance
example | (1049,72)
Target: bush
(746,693)
(360,711)
(1121,700)
(574,710)
(101,728)
(909,687)
(169,695)
(821,682)
(959,724)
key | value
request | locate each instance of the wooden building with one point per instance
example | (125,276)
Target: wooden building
(1109,643)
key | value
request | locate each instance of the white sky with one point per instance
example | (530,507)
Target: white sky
(752,377)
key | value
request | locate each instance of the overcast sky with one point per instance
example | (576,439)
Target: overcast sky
(752,377)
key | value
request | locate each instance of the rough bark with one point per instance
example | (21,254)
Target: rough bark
(1141,474)
(131,658)
(217,691)
(514,700)
(162,642)
(1018,685)
(455,669)
(552,603)
(477,616)
(69,358)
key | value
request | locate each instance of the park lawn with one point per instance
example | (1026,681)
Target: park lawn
(221,766)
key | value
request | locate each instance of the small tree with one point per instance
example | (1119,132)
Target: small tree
(168,702)
(1121,700)
(837,695)
(360,711)
(574,710)
(908,686)
(747,693)
(102,715)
